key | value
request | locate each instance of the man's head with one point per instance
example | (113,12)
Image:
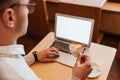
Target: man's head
(14,18)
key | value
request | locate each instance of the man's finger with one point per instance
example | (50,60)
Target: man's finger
(50,59)
(54,49)
(86,58)
(78,61)
(53,53)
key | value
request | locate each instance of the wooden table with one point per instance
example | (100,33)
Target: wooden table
(100,54)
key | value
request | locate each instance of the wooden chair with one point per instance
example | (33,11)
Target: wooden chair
(38,21)
(83,11)
(118,51)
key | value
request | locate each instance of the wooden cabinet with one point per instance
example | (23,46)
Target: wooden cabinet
(118,51)
(81,8)
(83,11)
(38,21)
(110,20)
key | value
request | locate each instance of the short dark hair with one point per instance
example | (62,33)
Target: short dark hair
(3,2)
(6,3)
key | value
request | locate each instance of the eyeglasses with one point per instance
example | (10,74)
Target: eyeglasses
(30,6)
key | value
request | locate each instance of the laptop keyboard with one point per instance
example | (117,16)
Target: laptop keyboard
(61,46)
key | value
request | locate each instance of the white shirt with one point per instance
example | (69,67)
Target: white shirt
(13,65)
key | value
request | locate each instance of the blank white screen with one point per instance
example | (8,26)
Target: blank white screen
(73,29)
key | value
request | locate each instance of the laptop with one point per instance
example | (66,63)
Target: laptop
(69,28)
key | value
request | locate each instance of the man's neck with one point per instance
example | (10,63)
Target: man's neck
(4,42)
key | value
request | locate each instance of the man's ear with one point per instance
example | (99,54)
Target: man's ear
(9,18)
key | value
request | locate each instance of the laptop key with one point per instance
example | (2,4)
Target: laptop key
(61,46)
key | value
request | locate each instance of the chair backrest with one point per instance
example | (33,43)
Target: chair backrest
(83,11)
(38,21)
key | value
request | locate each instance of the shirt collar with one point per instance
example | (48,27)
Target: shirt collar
(12,49)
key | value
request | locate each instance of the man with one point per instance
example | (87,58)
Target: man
(13,24)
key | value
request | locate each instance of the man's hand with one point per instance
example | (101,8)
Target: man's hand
(82,67)
(48,55)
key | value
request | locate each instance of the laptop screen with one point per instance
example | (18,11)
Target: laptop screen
(74,28)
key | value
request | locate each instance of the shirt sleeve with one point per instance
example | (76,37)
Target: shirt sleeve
(75,78)
(29,58)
